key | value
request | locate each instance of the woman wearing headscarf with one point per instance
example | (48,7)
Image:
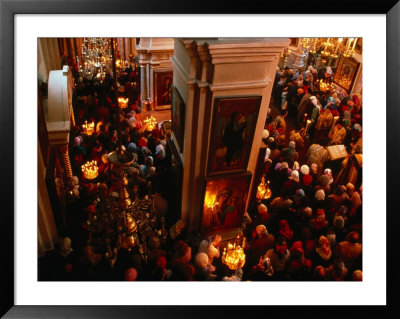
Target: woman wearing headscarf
(322,254)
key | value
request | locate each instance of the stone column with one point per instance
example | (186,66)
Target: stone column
(189,151)
(218,68)
(151,95)
(142,82)
(147,80)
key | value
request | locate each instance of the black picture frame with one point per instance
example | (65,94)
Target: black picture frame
(8,10)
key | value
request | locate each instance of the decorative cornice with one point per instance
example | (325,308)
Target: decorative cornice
(240,86)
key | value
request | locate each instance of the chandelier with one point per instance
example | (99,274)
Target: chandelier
(330,47)
(90,170)
(123,102)
(233,255)
(150,123)
(96,58)
(88,128)
(117,221)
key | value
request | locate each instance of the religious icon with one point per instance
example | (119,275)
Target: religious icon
(163,89)
(225,201)
(233,129)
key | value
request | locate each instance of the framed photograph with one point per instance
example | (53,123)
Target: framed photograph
(224,201)
(178,117)
(233,126)
(62,300)
(162,89)
(346,73)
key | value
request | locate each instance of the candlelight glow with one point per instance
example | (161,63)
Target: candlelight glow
(123,102)
(323,86)
(88,128)
(234,256)
(90,170)
(119,63)
(263,190)
(150,123)
(209,200)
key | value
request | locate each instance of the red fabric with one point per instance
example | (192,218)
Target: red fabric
(142,142)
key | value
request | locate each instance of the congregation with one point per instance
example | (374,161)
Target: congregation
(310,229)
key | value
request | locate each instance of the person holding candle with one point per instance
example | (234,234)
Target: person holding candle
(305,105)
(280,258)
(314,115)
(323,125)
(338,134)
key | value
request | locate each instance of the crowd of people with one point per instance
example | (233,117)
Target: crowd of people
(310,229)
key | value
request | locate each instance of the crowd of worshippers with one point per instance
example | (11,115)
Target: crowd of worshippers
(299,94)
(309,230)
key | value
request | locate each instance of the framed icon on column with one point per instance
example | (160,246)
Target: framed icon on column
(162,89)
(178,117)
(224,202)
(233,125)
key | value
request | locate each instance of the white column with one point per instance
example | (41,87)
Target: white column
(142,82)
(151,82)
(48,57)
(147,80)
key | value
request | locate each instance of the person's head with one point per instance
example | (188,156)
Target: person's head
(66,244)
(320,215)
(294,175)
(323,241)
(314,100)
(216,240)
(261,230)
(182,251)
(353,237)
(314,168)
(357,275)
(338,222)
(262,209)
(180,225)
(320,195)
(319,272)
(299,195)
(201,260)
(283,224)
(350,188)
(340,190)
(280,246)
(304,169)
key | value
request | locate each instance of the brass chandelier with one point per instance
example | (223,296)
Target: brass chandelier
(330,47)
(96,58)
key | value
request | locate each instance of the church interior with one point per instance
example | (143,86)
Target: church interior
(200,159)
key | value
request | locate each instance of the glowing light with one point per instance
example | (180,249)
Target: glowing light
(123,102)
(90,170)
(233,255)
(263,190)
(150,123)
(209,200)
(88,128)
